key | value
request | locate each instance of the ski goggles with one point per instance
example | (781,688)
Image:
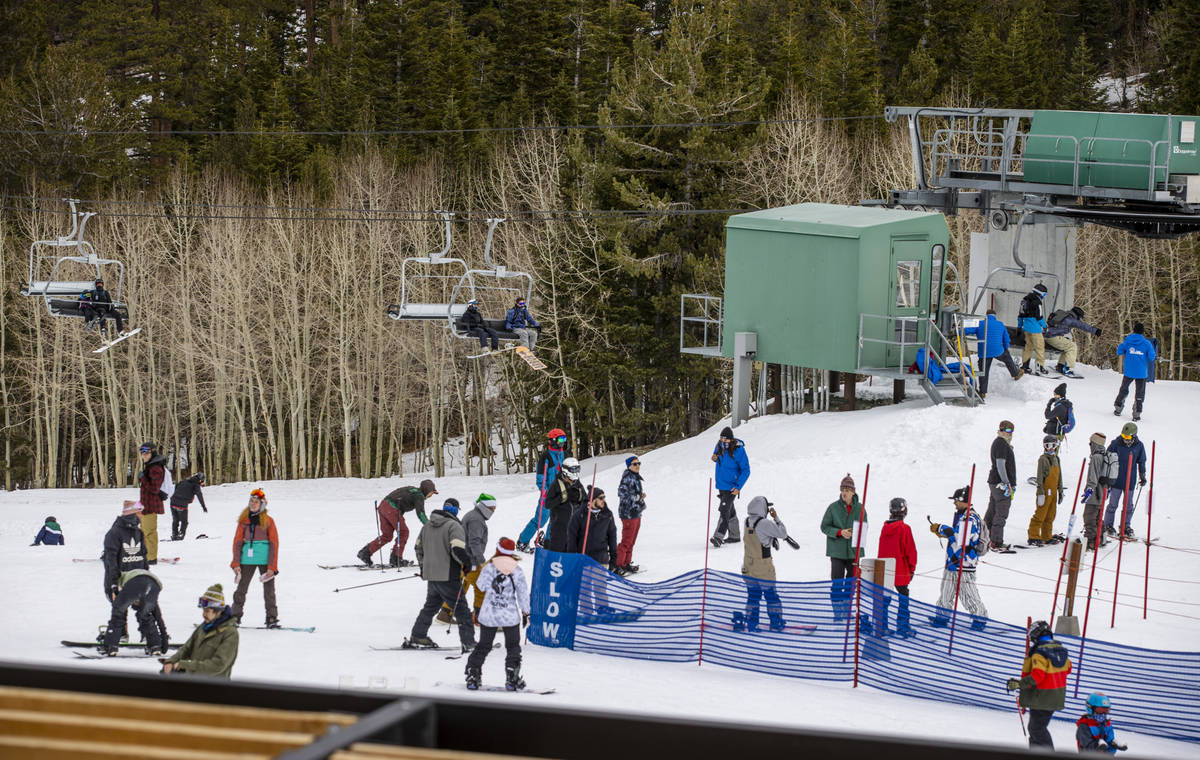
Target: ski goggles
(574,470)
(561,439)
(209,604)
(1050,446)
(145,449)
(258,494)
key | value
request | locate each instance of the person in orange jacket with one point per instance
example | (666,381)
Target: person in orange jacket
(256,547)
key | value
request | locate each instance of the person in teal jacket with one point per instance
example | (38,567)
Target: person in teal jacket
(1139,355)
(256,549)
(1032,320)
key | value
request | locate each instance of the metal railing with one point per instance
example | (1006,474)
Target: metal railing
(927,338)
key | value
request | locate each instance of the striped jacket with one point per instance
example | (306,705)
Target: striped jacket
(954,542)
(1044,676)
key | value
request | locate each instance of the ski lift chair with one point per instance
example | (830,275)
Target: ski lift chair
(61,295)
(468,288)
(408,309)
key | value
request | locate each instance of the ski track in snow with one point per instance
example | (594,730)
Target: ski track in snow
(915,450)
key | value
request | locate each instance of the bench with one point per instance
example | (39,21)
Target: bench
(495,324)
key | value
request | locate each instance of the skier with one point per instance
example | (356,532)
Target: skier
(1002,483)
(1043,682)
(762,535)
(50,534)
(732,472)
(593,532)
(838,524)
(970,531)
(150,482)
(1058,336)
(212,648)
(1050,493)
(475,527)
(520,321)
(993,344)
(563,497)
(1139,354)
(124,550)
(545,471)
(442,551)
(1093,494)
(136,588)
(96,304)
(506,606)
(631,503)
(475,326)
(1093,730)
(256,548)
(185,491)
(896,541)
(1060,414)
(1032,320)
(391,520)
(1127,447)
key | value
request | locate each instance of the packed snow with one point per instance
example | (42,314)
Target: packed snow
(915,450)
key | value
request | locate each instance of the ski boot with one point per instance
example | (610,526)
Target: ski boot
(156,650)
(524,547)
(716,541)
(364,557)
(273,622)
(739,622)
(778,624)
(978,624)
(939,622)
(1061,369)
(474,678)
(468,648)
(539,540)
(1117,411)
(419,642)
(512,679)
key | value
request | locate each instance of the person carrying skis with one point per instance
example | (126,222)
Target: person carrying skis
(1060,414)
(839,523)
(563,497)
(1043,682)
(442,551)
(137,588)
(993,344)
(1093,493)
(1127,447)
(212,649)
(50,534)
(896,541)
(1139,355)
(475,325)
(1050,493)
(151,495)
(631,503)
(124,550)
(505,606)
(391,520)
(762,536)
(545,471)
(185,491)
(959,573)
(518,320)
(256,548)
(1058,336)
(732,472)
(96,305)
(1031,318)
(1093,730)
(1002,480)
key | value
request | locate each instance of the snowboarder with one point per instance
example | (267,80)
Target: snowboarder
(839,523)
(896,541)
(151,495)
(50,534)
(475,325)
(505,606)
(1031,318)
(959,573)
(1060,414)
(520,321)
(139,589)
(762,536)
(631,503)
(1093,493)
(124,550)
(545,471)
(1139,355)
(442,551)
(475,527)
(1093,730)
(256,548)
(1050,493)
(993,344)
(391,520)
(185,491)
(563,497)
(1002,481)
(212,648)
(1043,682)
(1127,447)
(1058,336)
(732,472)
(96,305)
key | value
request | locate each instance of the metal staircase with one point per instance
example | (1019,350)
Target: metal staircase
(910,335)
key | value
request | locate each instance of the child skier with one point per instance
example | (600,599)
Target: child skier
(505,605)
(1050,492)
(1093,730)
(50,534)
(185,491)
(896,541)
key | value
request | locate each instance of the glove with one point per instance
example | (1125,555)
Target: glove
(1008,491)
(268,576)
(1098,331)
(112,592)
(1012,684)
(1141,482)
(524,619)
(237,575)
(204,508)
(935,529)
(1118,745)
(1086,495)
(791,542)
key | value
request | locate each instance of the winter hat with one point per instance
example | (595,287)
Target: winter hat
(507,547)
(51,519)
(213,597)
(1097,438)
(727,432)
(847,482)
(1078,312)
(1128,430)
(1138,328)
(1061,390)
(962,494)
(450,506)
(484,499)
(150,447)
(630,460)
(131,507)
(594,493)
(1040,289)
(427,487)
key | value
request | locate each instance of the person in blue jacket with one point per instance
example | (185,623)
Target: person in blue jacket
(518,320)
(1139,353)
(547,468)
(733,470)
(1032,320)
(50,534)
(1127,447)
(993,344)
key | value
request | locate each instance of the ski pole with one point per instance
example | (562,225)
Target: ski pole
(704,587)
(1121,539)
(458,596)
(1020,709)
(378,528)
(587,518)
(376,583)
(1070,525)
(1149,511)
(962,556)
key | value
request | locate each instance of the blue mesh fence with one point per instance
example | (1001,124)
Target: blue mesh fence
(805,630)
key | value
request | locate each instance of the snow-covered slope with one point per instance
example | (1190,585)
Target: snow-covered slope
(916,451)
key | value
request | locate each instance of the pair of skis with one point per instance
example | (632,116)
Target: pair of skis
(123,336)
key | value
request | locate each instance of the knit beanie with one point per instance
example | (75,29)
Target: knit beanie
(847,482)
(427,487)
(507,547)
(213,597)
(630,460)
(727,432)
(131,507)
(1061,390)
(1138,328)
(486,500)
(1097,438)
(450,506)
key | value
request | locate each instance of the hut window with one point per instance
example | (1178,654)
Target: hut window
(908,284)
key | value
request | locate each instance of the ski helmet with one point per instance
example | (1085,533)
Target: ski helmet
(148,447)
(1050,443)
(898,507)
(1098,702)
(1039,629)
(199,478)
(570,468)
(556,433)
(99,283)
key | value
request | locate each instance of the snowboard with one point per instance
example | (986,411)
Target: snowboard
(494,351)
(298,629)
(201,537)
(606,618)
(456,649)
(123,655)
(526,690)
(361,566)
(528,357)
(161,560)
(123,645)
(109,344)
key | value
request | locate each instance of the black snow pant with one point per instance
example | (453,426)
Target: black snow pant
(179,521)
(1039,735)
(449,592)
(141,593)
(483,333)
(727,524)
(512,647)
(1006,359)
(1139,394)
(996,515)
(100,311)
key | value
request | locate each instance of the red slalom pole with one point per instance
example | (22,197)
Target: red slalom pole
(1088,607)
(1070,528)
(587,519)
(1149,513)
(1121,546)
(962,557)
(704,587)
(862,515)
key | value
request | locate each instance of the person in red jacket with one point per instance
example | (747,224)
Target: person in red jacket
(896,541)
(151,495)
(256,548)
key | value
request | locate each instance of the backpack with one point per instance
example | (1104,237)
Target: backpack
(1057,317)
(985,540)
(168,485)
(1111,470)
(1030,306)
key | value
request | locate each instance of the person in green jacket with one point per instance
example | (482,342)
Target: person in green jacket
(838,526)
(213,647)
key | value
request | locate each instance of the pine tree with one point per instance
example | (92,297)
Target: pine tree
(848,78)
(1081,88)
